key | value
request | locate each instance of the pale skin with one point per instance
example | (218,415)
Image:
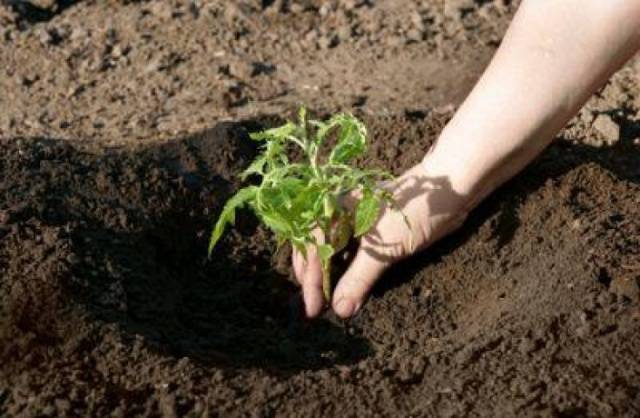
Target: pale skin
(554,56)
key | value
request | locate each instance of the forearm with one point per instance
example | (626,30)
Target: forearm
(554,56)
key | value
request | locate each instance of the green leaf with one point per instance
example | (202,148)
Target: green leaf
(279,133)
(323,129)
(283,196)
(304,203)
(228,215)
(341,232)
(367,212)
(275,154)
(351,140)
(271,208)
(278,224)
(325,252)
(330,205)
(256,167)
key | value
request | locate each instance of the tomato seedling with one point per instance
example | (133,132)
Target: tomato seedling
(295,198)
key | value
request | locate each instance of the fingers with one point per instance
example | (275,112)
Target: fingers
(352,289)
(369,263)
(309,275)
(355,285)
(312,287)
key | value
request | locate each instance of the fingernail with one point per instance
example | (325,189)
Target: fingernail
(345,308)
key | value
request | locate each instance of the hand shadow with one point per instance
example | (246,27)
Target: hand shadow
(622,159)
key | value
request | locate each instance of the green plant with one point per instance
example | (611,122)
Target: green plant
(295,198)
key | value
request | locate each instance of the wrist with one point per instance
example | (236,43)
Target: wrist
(461,168)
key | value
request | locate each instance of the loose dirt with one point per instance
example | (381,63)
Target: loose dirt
(121,138)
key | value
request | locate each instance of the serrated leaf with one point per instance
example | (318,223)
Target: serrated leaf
(323,129)
(305,202)
(228,215)
(287,190)
(279,133)
(341,232)
(367,212)
(271,209)
(256,167)
(330,205)
(351,140)
(287,196)
(325,252)
(274,153)
(278,224)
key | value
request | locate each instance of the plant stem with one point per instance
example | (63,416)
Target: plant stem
(326,281)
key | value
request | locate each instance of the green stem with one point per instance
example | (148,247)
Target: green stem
(326,265)
(326,281)
(298,142)
(313,161)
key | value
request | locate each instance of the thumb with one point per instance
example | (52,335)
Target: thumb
(354,286)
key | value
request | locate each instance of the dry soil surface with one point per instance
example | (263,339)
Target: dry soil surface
(123,125)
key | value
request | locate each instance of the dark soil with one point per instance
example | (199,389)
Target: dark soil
(123,125)
(110,306)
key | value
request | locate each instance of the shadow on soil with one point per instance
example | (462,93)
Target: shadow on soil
(621,159)
(32,13)
(139,225)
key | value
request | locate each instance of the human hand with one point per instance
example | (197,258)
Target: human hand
(553,57)
(433,210)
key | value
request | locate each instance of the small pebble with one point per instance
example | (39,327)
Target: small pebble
(607,129)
